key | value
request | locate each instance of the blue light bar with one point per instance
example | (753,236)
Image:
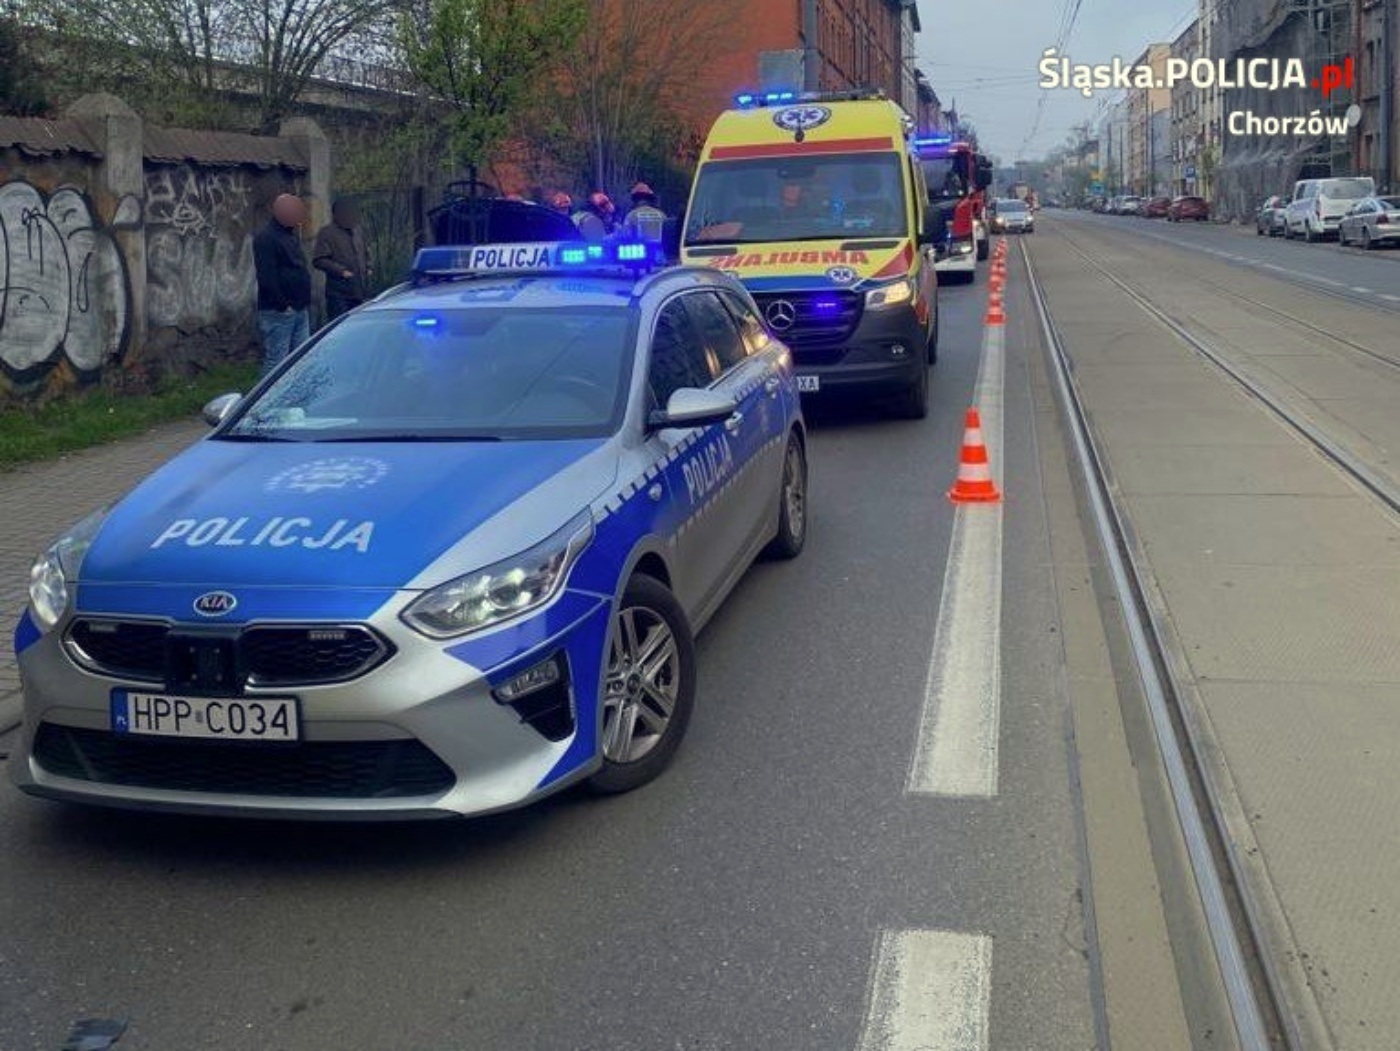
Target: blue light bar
(536,257)
(770,98)
(933,140)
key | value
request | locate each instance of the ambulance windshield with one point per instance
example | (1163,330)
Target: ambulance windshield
(798,199)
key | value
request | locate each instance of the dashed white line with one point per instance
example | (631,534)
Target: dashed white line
(1363,291)
(930,991)
(955,753)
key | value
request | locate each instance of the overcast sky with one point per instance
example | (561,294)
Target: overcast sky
(984,54)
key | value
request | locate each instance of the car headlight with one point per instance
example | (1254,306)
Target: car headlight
(890,295)
(56,568)
(501,592)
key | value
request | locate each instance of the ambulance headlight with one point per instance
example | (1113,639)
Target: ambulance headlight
(890,295)
(501,592)
(54,571)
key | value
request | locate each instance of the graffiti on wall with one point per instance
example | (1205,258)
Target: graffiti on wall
(63,287)
(199,253)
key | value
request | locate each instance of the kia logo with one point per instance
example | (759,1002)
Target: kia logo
(214,604)
(781,314)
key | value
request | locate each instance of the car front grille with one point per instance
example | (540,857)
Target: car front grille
(310,769)
(262,654)
(126,649)
(820,321)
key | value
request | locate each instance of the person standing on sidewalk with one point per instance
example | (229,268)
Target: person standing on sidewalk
(340,253)
(284,281)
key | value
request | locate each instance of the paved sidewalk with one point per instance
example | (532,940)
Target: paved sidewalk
(38,501)
(1282,586)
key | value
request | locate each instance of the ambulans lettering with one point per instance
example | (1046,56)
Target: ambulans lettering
(830,257)
(291,531)
(706,470)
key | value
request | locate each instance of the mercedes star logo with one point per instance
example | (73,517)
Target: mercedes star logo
(781,314)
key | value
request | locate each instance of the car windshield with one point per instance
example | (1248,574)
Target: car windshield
(1011,206)
(1390,202)
(1347,189)
(477,373)
(798,199)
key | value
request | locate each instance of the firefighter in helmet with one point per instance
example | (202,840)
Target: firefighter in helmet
(645,222)
(595,220)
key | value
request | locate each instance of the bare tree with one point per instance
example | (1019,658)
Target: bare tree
(189,59)
(628,90)
(486,60)
(289,39)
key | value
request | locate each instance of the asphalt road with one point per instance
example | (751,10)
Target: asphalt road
(1372,277)
(736,903)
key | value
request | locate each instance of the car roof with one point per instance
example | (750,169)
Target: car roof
(543,291)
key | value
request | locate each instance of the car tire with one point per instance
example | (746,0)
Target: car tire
(1308,235)
(982,250)
(933,335)
(792,504)
(1366,243)
(913,404)
(644,598)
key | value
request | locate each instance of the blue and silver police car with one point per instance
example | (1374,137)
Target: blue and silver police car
(449,558)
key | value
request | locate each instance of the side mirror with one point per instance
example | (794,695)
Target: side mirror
(983,174)
(217,410)
(693,407)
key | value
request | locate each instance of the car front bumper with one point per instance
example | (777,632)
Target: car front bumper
(429,707)
(867,362)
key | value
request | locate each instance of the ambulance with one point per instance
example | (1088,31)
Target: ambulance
(817,203)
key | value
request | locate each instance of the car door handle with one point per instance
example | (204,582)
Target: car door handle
(772,385)
(734,422)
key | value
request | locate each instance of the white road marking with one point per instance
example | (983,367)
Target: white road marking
(1363,291)
(930,991)
(955,753)
(1388,296)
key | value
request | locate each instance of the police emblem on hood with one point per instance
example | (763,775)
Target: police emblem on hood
(334,472)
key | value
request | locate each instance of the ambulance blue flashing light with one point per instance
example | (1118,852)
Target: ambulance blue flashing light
(771,98)
(931,141)
(449,261)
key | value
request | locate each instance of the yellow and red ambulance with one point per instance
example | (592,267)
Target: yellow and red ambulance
(816,202)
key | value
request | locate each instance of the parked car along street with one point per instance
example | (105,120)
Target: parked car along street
(1268,221)
(1375,221)
(1184,208)
(1318,205)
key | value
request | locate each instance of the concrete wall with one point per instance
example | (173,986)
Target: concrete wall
(114,264)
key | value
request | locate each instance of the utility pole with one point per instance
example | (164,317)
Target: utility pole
(811,57)
(1386,140)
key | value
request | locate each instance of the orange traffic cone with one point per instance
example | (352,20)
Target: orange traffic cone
(995,314)
(974,484)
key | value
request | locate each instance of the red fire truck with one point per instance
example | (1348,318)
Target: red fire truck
(957,177)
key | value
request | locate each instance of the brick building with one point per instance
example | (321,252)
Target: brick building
(824,45)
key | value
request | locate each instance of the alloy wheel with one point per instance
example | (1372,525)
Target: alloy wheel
(642,684)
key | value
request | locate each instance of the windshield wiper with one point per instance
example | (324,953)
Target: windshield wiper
(238,436)
(409,436)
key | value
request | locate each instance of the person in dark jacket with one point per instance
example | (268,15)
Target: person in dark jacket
(284,281)
(340,253)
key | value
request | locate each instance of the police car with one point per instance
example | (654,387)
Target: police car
(449,558)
